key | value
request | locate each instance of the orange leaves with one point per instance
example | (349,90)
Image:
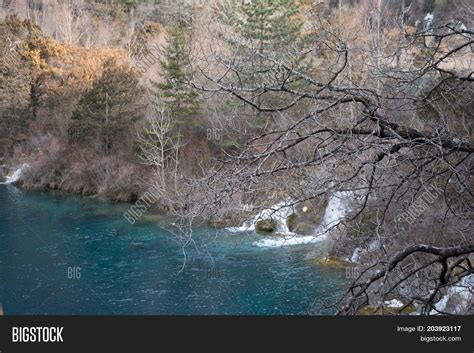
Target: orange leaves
(43,51)
(87,65)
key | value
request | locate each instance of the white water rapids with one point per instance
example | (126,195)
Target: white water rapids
(10,179)
(336,210)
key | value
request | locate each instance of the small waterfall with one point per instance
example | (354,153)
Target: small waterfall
(339,205)
(279,212)
(10,179)
(337,209)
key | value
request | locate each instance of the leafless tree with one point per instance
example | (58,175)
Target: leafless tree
(156,142)
(386,122)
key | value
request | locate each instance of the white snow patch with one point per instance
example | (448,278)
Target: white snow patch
(394,303)
(374,245)
(429,20)
(458,297)
(356,255)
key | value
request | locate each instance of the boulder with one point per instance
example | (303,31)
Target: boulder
(266,226)
(291,222)
(307,217)
(223,222)
(331,261)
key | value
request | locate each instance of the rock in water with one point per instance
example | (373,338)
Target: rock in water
(266,226)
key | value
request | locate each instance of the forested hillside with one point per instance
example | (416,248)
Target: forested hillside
(350,120)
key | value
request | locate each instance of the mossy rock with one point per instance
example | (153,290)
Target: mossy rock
(307,216)
(266,226)
(154,218)
(385,310)
(331,261)
(20,183)
(123,197)
(223,222)
(291,221)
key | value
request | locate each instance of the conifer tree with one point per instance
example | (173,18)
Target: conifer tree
(107,110)
(264,32)
(179,98)
(265,29)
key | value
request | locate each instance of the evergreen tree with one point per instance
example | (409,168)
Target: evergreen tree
(107,110)
(263,32)
(179,98)
(265,29)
